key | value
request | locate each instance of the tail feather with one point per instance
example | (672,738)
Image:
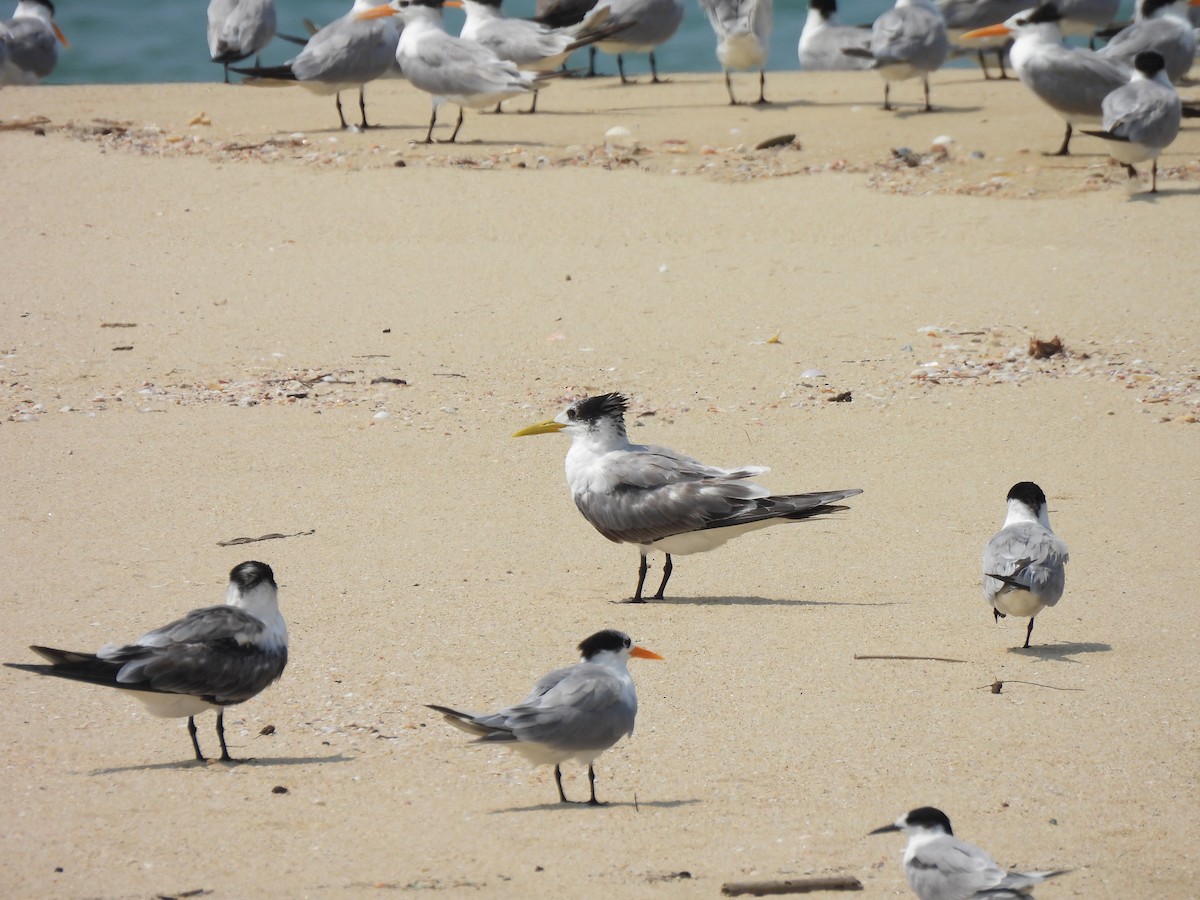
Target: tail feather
(273,73)
(86,667)
(463,721)
(786,506)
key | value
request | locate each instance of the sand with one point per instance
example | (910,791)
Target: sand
(195,319)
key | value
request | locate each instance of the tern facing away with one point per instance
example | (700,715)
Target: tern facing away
(1162,26)
(659,499)
(238,29)
(31,39)
(654,23)
(576,712)
(823,39)
(941,867)
(1024,564)
(213,657)
(743,29)
(907,41)
(1071,81)
(345,54)
(1142,118)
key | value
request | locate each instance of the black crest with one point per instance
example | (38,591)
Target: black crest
(828,7)
(251,574)
(1047,12)
(602,406)
(1149,62)
(608,639)
(929,817)
(1029,494)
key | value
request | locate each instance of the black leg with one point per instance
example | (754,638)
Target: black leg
(762,86)
(621,69)
(341,118)
(1000,52)
(499,108)
(226,67)
(432,122)
(998,615)
(1153,176)
(558,780)
(457,125)
(592,781)
(667,567)
(729,88)
(642,567)
(1064,150)
(532,106)
(591,72)
(987,76)
(928,106)
(887,90)
(1028,632)
(654,79)
(362,107)
(225,757)
(195,742)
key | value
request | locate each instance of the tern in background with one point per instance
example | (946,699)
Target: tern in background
(1085,17)
(345,54)
(1162,26)
(1024,562)
(743,29)
(449,68)
(211,658)
(661,500)
(907,41)
(654,23)
(31,39)
(1141,119)
(576,712)
(1071,81)
(823,39)
(238,29)
(532,46)
(941,867)
(967,15)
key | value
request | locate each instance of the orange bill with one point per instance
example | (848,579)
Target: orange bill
(991,31)
(643,653)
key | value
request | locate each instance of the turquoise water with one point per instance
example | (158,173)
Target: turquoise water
(123,41)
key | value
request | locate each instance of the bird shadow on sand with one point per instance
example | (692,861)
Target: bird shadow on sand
(197,764)
(938,108)
(563,807)
(1166,194)
(1062,651)
(747,601)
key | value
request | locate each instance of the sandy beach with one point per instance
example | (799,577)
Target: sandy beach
(212,295)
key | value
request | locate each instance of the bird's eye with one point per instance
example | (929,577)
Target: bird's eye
(571,414)
(628,642)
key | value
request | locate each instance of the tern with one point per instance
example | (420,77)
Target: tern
(823,39)
(907,41)
(941,867)
(1024,562)
(1162,26)
(238,29)
(576,712)
(449,68)
(31,39)
(654,23)
(967,15)
(1085,17)
(1142,118)
(743,30)
(1071,81)
(661,500)
(210,659)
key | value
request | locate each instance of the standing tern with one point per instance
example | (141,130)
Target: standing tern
(238,29)
(576,712)
(1024,562)
(661,500)
(449,68)
(31,39)
(941,867)
(823,39)
(345,54)
(967,15)
(1071,81)
(1162,26)
(654,23)
(907,41)
(1141,119)
(743,29)
(211,658)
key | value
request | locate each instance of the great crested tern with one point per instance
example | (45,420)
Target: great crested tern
(573,713)
(661,500)
(239,29)
(347,53)
(907,41)
(743,30)
(212,658)
(31,39)
(823,38)
(1071,81)
(939,866)
(1162,26)
(1024,563)
(1142,118)
(449,68)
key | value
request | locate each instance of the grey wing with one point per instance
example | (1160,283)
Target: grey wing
(581,707)
(446,65)
(738,16)
(216,653)
(912,35)
(948,867)
(218,12)
(1028,557)
(823,51)
(1143,112)
(521,41)
(1074,82)
(346,51)
(32,46)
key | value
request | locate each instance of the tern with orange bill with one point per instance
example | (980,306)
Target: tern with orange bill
(662,501)
(1071,81)
(573,713)
(31,38)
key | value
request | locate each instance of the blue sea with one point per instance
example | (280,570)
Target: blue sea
(147,41)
